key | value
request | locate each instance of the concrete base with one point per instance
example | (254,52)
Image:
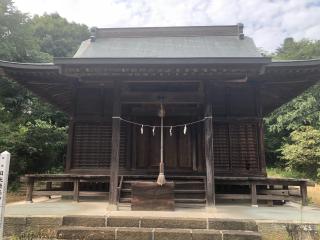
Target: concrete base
(57,207)
(112,207)
(210,209)
(158,228)
(45,216)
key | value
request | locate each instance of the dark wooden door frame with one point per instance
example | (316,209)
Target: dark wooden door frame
(115,153)
(208,135)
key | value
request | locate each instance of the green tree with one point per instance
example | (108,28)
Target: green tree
(57,36)
(300,114)
(298,50)
(35,147)
(17,42)
(33,131)
(302,152)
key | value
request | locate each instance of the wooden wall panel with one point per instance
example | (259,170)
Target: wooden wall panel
(177,148)
(92,146)
(234,100)
(221,147)
(89,102)
(241,101)
(185,150)
(170,147)
(236,148)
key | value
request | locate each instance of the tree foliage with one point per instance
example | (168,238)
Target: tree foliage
(58,37)
(16,36)
(298,50)
(34,132)
(288,128)
(302,151)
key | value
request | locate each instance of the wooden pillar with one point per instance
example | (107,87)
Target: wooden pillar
(49,188)
(70,145)
(30,184)
(71,126)
(259,113)
(114,170)
(254,200)
(270,202)
(208,144)
(304,195)
(76,189)
(261,147)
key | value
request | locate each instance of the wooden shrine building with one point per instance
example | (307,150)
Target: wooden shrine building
(116,82)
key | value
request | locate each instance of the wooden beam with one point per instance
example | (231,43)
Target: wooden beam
(153,98)
(208,132)
(115,152)
(51,193)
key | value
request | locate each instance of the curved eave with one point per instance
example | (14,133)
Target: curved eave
(28,66)
(295,63)
(281,80)
(43,79)
(284,80)
(147,61)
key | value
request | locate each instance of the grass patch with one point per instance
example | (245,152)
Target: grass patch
(14,197)
(279,172)
(314,194)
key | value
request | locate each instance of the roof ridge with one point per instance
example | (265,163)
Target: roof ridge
(175,31)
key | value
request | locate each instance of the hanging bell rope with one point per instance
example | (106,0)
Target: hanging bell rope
(161,178)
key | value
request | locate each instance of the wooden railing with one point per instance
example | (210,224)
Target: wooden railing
(270,189)
(261,188)
(32,179)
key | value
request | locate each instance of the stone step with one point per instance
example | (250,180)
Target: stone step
(84,221)
(230,224)
(128,190)
(160,222)
(178,197)
(177,200)
(134,233)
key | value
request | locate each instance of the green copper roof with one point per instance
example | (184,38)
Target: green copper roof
(169,42)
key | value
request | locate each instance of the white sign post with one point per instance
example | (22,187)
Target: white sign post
(4,172)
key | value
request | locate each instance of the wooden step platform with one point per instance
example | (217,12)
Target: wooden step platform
(188,189)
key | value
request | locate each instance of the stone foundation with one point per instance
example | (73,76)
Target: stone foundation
(272,230)
(46,227)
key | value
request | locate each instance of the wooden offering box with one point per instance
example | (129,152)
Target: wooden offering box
(151,196)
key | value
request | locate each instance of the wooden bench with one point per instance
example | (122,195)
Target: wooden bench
(270,189)
(31,179)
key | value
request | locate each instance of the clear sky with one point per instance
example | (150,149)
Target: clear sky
(267,21)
